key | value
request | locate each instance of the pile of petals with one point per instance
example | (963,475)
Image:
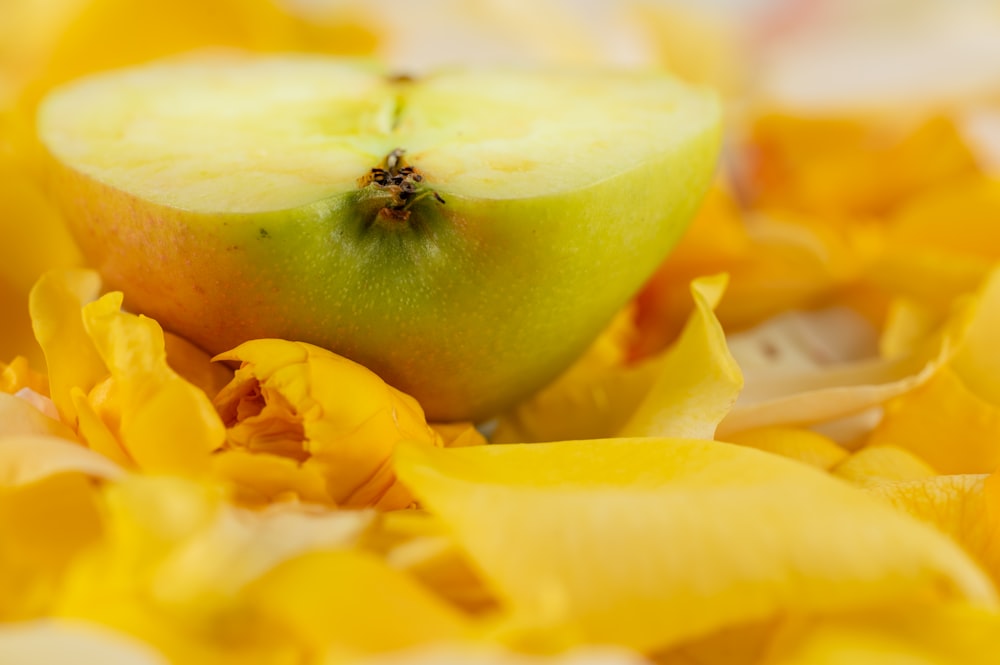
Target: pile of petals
(785,450)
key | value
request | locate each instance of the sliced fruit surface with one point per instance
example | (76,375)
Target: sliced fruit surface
(464,234)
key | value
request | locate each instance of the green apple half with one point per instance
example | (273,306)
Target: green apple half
(465,234)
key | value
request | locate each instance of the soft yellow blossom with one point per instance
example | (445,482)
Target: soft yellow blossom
(48,641)
(842,166)
(174,565)
(650,542)
(111,381)
(334,420)
(683,391)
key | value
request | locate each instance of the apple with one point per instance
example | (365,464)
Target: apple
(464,234)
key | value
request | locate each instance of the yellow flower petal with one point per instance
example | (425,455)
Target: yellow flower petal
(47,642)
(419,544)
(798,444)
(960,506)
(945,424)
(840,166)
(195,366)
(30,458)
(258,479)
(334,417)
(18,416)
(684,391)
(876,464)
(48,516)
(631,541)
(18,375)
(72,359)
(350,601)
(165,423)
(481,655)
(934,262)
(593,398)
(176,559)
(697,379)
(822,393)
(944,634)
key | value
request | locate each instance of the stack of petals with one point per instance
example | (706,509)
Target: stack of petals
(785,450)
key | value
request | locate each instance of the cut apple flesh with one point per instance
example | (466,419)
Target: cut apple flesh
(201,136)
(536,204)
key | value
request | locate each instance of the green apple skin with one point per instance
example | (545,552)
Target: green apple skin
(469,305)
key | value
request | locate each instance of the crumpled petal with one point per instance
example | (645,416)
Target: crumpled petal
(877,464)
(46,642)
(176,559)
(350,601)
(27,459)
(953,421)
(697,379)
(149,395)
(795,443)
(933,262)
(18,415)
(481,655)
(70,354)
(630,541)
(839,166)
(683,391)
(941,634)
(111,382)
(818,393)
(960,506)
(48,517)
(332,416)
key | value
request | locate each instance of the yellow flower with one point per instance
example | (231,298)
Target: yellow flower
(684,391)
(649,543)
(111,382)
(304,411)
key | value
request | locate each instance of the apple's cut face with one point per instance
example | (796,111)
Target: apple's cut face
(465,234)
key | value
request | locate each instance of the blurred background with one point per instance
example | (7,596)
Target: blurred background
(841,114)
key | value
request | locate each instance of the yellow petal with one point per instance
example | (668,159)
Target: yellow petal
(631,541)
(822,393)
(933,262)
(593,398)
(30,458)
(876,464)
(482,655)
(176,559)
(166,424)
(839,165)
(18,416)
(196,366)
(73,360)
(48,517)
(944,634)
(698,381)
(419,544)
(47,642)
(960,506)
(684,391)
(331,415)
(18,375)
(258,479)
(798,444)
(351,601)
(945,424)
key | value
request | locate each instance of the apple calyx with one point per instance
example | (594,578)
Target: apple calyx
(396,187)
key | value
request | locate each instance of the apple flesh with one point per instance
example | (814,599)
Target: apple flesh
(465,235)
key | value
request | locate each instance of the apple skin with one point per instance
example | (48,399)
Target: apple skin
(470,310)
